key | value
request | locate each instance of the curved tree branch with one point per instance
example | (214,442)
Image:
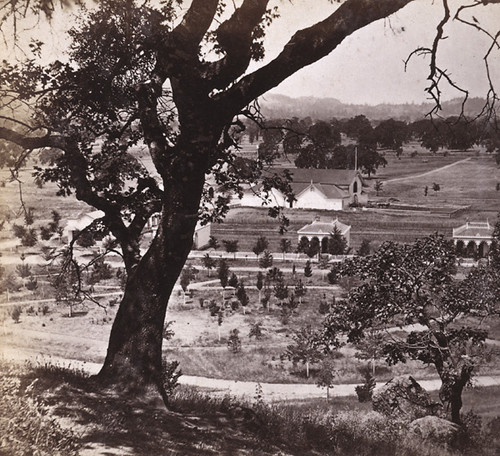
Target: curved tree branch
(308,46)
(234,38)
(194,25)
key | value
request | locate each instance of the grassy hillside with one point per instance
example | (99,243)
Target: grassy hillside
(48,410)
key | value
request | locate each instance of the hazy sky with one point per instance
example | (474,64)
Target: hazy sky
(368,66)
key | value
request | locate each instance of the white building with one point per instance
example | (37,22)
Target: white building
(327,189)
(73,226)
(473,239)
(320,232)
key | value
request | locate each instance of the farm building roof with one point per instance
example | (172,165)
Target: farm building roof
(339,177)
(330,191)
(481,230)
(319,227)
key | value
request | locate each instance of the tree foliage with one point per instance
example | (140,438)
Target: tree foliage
(261,244)
(415,284)
(305,349)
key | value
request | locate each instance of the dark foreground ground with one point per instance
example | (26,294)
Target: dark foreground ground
(48,410)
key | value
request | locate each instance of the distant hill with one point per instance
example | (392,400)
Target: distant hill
(276,106)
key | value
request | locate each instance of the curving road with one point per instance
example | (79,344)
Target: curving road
(245,390)
(427,173)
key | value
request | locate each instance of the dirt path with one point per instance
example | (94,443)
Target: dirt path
(247,390)
(427,173)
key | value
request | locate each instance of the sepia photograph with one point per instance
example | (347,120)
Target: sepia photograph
(249,227)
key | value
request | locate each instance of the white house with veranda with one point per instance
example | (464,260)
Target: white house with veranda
(473,239)
(326,189)
(319,231)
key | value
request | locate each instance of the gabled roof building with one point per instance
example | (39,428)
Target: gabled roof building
(328,189)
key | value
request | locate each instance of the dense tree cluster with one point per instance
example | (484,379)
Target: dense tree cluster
(320,144)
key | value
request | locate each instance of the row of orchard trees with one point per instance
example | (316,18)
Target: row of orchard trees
(334,244)
(319,144)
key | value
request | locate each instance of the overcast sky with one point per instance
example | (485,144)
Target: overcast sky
(368,66)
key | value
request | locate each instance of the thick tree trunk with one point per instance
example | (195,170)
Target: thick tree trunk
(134,357)
(456,403)
(451,393)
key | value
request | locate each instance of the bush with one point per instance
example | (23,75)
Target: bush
(234,341)
(44,309)
(365,391)
(171,375)
(16,313)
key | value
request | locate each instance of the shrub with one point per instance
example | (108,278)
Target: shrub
(365,391)
(44,309)
(16,313)
(234,341)
(256,331)
(32,283)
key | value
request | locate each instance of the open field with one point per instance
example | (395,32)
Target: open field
(470,183)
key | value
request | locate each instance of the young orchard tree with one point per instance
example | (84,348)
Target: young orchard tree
(213,243)
(256,330)
(260,284)
(308,270)
(371,348)
(281,291)
(242,296)
(231,247)
(184,282)
(415,284)
(337,244)
(266,260)
(285,246)
(32,283)
(326,375)
(233,280)
(260,245)
(234,341)
(307,348)
(223,274)
(209,263)
(300,290)
(175,79)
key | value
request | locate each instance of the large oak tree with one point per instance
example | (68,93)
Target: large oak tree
(138,74)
